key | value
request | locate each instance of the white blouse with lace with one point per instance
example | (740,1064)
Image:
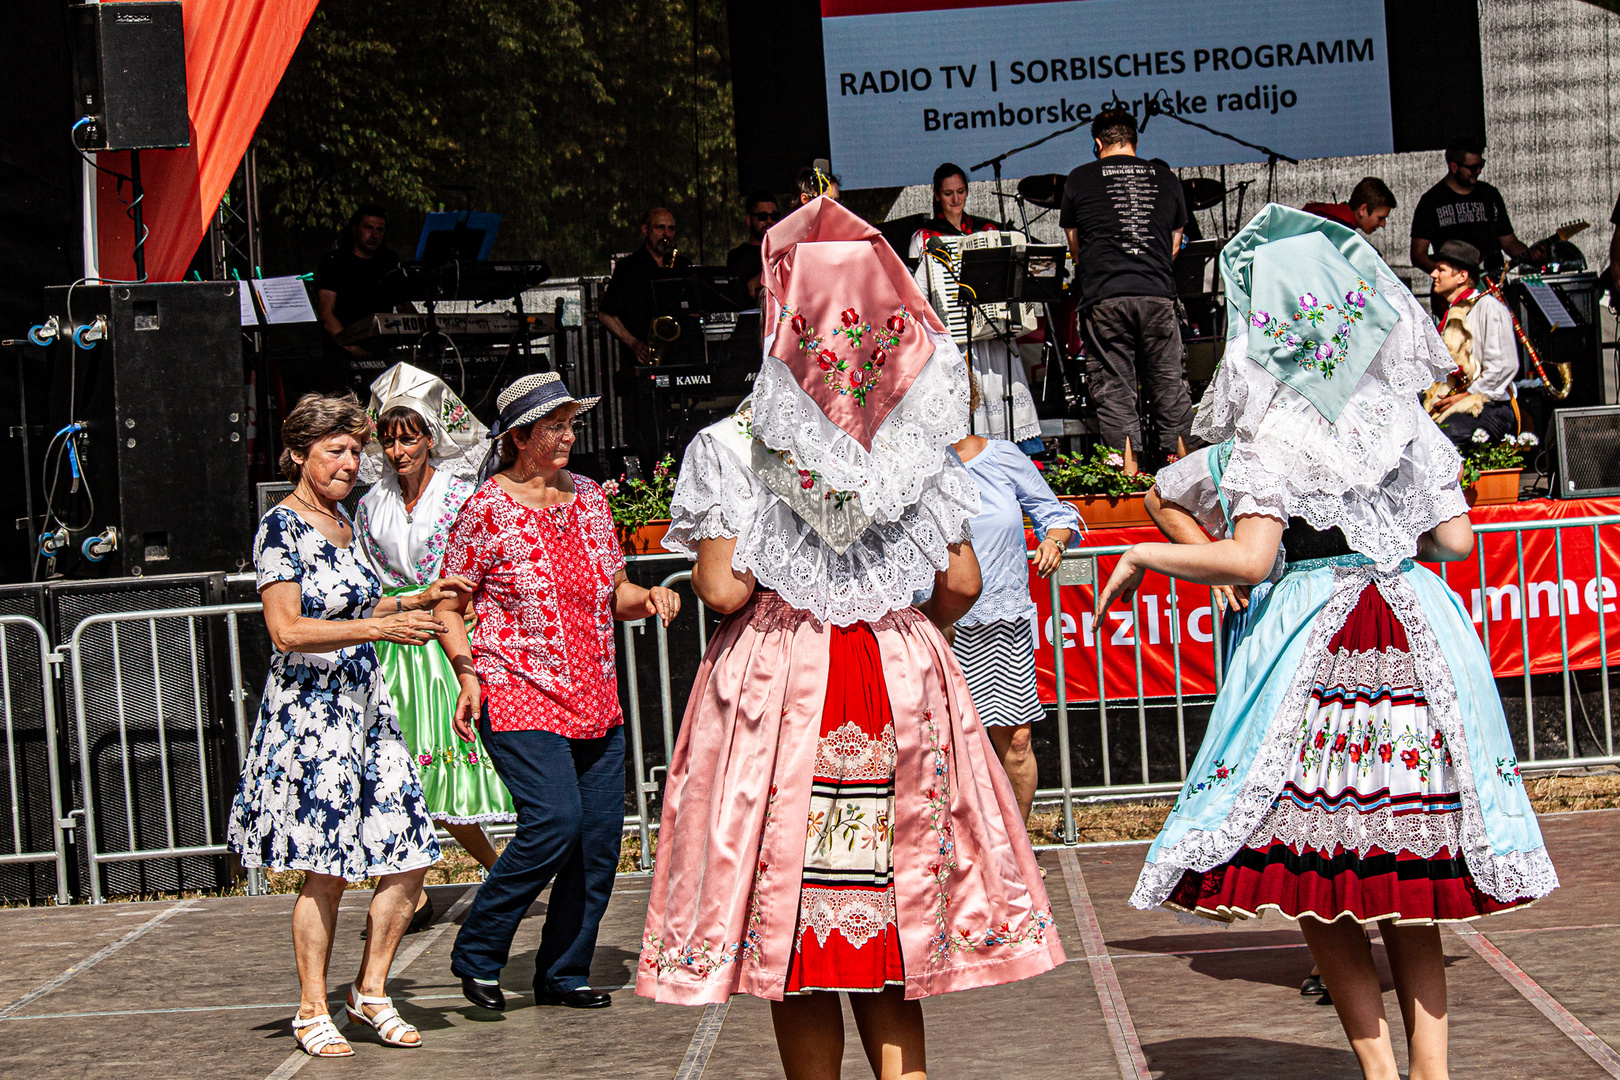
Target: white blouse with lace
(406,548)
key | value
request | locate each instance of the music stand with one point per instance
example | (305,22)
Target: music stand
(1006,274)
(468,236)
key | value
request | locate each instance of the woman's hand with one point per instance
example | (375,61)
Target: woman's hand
(469,704)
(1048,557)
(408,627)
(1233,597)
(1122,582)
(453,587)
(664,603)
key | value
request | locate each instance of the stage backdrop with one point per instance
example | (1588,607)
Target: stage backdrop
(236,51)
(911,83)
(1507,611)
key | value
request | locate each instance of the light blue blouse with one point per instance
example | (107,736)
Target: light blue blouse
(1010,486)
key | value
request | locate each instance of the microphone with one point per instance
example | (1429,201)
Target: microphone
(1151,107)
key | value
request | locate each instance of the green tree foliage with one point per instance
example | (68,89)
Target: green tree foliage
(571,119)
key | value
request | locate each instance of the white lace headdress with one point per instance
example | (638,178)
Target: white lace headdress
(459,438)
(837,480)
(1373,464)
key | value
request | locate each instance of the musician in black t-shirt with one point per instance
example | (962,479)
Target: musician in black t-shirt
(353,281)
(1124,219)
(759,212)
(1463,207)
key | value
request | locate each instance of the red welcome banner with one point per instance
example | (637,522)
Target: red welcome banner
(1561,576)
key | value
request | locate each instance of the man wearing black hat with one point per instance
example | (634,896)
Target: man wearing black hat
(1478,331)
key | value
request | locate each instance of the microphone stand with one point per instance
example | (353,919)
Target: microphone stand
(1154,107)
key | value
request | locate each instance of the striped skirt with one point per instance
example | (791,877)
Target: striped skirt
(998,661)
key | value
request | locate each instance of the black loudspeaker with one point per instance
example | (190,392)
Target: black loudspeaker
(25,760)
(129,74)
(1587,443)
(142,691)
(163,455)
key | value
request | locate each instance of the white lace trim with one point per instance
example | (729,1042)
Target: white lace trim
(1188,483)
(859,915)
(1503,877)
(849,753)
(1382,472)
(1204,849)
(1360,831)
(907,450)
(718,496)
(999,607)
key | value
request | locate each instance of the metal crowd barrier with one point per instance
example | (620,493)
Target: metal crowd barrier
(123,704)
(11,706)
(1081,567)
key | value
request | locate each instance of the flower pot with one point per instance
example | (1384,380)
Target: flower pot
(1110,511)
(646,540)
(1495,486)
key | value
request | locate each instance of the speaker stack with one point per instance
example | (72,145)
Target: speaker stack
(142,691)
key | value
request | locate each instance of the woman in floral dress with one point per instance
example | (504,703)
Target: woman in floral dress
(329,786)
(834,818)
(1357,768)
(423,466)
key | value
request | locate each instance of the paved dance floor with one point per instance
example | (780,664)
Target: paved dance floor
(205,989)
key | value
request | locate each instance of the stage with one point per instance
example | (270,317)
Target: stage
(206,987)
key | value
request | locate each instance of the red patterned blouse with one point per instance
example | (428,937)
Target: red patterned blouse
(543,646)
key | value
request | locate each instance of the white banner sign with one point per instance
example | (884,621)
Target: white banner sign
(911,84)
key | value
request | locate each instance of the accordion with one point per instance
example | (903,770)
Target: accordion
(974,322)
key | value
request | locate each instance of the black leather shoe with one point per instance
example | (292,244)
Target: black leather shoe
(485,997)
(423,917)
(583,998)
(1313,986)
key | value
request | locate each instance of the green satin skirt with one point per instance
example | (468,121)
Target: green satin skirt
(459,780)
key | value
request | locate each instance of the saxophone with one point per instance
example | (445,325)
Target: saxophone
(664,329)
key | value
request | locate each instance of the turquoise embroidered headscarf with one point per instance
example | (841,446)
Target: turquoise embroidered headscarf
(1304,289)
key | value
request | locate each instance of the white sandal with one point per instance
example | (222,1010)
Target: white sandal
(317,1033)
(387,1023)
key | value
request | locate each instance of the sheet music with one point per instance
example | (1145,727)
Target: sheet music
(1556,314)
(250,317)
(285,300)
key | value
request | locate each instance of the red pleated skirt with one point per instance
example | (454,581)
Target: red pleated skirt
(847,937)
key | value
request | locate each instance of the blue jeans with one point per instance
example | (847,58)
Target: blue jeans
(569,796)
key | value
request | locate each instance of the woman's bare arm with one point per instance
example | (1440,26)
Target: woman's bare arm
(291,631)
(1244,559)
(955,588)
(717,584)
(1449,541)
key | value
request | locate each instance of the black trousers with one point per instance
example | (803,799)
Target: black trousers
(1496,420)
(1131,339)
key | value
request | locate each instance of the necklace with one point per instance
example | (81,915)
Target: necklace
(318,510)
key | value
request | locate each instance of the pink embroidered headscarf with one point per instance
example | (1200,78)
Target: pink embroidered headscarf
(846,315)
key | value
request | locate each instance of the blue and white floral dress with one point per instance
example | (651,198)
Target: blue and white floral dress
(328,785)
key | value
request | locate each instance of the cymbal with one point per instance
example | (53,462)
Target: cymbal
(1043,189)
(1202,192)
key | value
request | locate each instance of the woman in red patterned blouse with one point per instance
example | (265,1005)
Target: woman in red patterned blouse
(538,679)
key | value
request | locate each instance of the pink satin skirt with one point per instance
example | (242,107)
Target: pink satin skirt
(730,905)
